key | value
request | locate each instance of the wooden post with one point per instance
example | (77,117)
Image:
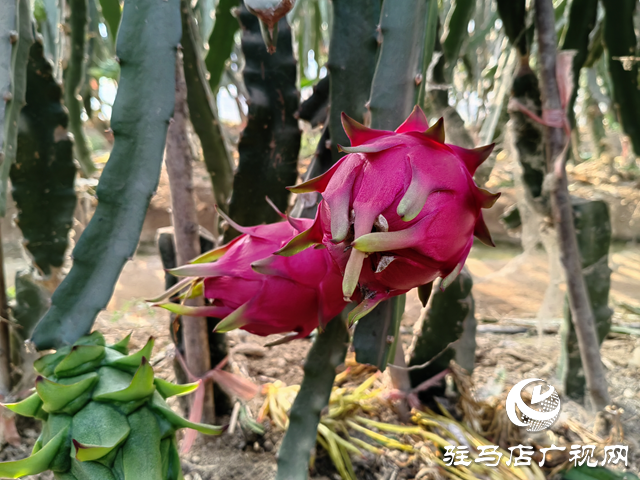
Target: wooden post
(579,304)
(187,235)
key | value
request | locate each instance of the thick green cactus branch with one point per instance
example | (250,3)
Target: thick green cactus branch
(74,75)
(326,354)
(112,14)
(270,143)
(139,122)
(352,62)
(393,89)
(43,174)
(513,14)
(621,42)
(16,37)
(455,33)
(582,20)
(221,41)
(202,111)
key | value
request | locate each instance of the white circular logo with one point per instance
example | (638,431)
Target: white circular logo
(535,420)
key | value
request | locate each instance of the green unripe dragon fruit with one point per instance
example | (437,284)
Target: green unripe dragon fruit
(104,416)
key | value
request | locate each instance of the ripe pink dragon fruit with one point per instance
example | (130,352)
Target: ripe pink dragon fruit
(400,210)
(259,292)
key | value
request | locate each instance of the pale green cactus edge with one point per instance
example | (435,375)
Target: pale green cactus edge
(402,34)
(104,415)
(139,123)
(352,62)
(393,93)
(326,354)
(74,76)
(202,111)
(16,37)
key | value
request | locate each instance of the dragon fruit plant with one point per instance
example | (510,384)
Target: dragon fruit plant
(264,294)
(104,416)
(400,210)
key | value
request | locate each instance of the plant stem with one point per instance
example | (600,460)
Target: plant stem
(73,83)
(5,352)
(326,354)
(581,312)
(186,232)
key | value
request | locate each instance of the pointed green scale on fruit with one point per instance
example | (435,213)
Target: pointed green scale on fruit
(234,320)
(436,131)
(352,273)
(90,471)
(168,389)
(81,359)
(46,364)
(55,396)
(164,454)
(34,464)
(141,459)
(446,281)
(141,386)
(473,158)
(64,476)
(111,380)
(377,147)
(215,254)
(133,361)
(123,345)
(28,407)
(312,236)
(56,423)
(96,430)
(197,290)
(37,446)
(359,134)
(362,309)
(481,232)
(111,355)
(316,184)
(417,193)
(95,338)
(160,406)
(167,429)
(174,472)
(486,198)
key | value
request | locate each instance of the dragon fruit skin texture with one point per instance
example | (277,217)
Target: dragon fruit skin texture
(262,293)
(400,210)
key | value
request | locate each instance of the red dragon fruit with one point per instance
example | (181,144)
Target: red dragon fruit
(400,210)
(259,292)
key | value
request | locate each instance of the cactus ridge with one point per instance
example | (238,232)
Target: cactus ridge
(104,415)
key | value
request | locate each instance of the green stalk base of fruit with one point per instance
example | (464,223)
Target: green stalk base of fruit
(104,415)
